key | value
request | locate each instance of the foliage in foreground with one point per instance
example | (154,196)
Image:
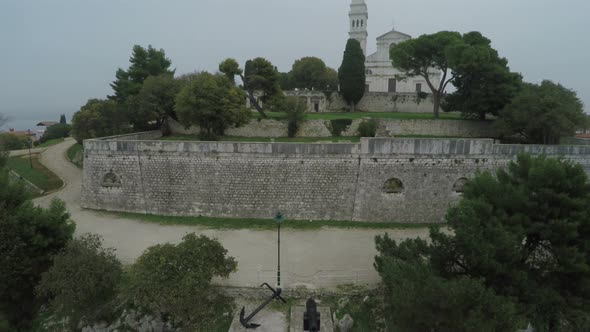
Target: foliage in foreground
(83,282)
(518,248)
(29,238)
(175,280)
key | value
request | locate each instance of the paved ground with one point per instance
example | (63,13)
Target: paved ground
(319,258)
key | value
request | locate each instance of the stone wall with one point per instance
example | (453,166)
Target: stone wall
(389,128)
(318,101)
(387,180)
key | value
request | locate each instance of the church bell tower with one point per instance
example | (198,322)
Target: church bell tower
(359,15)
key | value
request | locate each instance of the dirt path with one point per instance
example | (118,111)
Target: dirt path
(320,258)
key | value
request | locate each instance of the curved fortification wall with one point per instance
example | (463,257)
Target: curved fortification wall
(379,179)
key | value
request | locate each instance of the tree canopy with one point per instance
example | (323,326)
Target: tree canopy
(542,114)
(155,102)
(312,73)
(521,239)
(30,236)
(98,118)
(483,81)
(213,103)
(176,280)
(351,74)
(144,63)
(83,281)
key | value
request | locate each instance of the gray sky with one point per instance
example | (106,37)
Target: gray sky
(56,54)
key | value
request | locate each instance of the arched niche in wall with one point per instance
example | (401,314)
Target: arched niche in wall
(459,186)
(393,186)
(111,180)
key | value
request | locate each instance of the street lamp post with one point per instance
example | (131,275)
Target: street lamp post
(279,219)
(30,147)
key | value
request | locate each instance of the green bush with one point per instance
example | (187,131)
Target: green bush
(82,283)
(337,126)
(295,109)
(368,128)
(59,130)
(12,142)
(175,281)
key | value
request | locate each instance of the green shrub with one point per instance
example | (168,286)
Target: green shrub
(83,281)
(337,126)
(175,281)
(12,142)
(59,130)
(368,128)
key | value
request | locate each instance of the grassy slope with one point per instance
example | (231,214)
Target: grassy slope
(50,143)
(39,175)
(74,154)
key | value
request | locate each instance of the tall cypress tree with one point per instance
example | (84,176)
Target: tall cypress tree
(351,73)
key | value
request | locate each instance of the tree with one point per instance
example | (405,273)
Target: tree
(58,130)
(259,76)
(29,238)
(10,141)
(542,114)
(144,63)
(351,74)
(295,110)
(524,234)
(213,103)
(175,280)
(155,102)
(428,53)
(98,118)
(483,81)
(82,283)
(62,119)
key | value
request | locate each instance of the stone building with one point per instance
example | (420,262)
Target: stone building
(381,76)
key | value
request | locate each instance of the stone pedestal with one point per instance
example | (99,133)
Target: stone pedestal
(296,324)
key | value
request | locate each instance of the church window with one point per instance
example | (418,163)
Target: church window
(368,72)
(418,87)
(367,88)
(362,23)
(353,21)
(357,23)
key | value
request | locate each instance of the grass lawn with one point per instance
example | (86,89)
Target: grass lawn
(39,175)
(75,154)
(263,224)
(50,143)
(360,115)
(267,139)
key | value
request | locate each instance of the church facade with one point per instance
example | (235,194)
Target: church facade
(381,75)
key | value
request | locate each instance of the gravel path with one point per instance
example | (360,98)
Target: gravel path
(319,258)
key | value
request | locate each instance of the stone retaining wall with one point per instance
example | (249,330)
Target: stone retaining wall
(381,179)
(391,128)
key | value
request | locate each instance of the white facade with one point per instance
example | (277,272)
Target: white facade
(381,76)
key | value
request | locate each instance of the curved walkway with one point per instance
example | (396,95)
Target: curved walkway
(319,258)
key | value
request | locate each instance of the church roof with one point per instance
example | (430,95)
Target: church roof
(393,34)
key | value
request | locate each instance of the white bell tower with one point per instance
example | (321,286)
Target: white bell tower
(358,16)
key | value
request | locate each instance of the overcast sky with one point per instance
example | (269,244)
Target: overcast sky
(56,54)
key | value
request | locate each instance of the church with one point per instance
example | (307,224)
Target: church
(381,76)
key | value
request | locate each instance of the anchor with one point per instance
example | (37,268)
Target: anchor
(276,295)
